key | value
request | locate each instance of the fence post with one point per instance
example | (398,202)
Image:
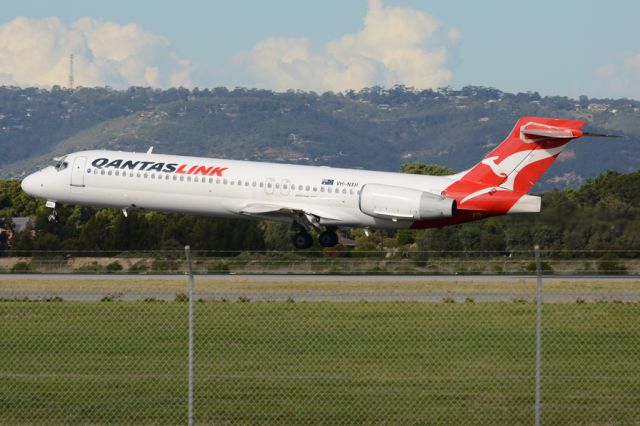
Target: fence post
(538,334)
(187,250)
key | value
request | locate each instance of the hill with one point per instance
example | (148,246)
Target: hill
(373,129)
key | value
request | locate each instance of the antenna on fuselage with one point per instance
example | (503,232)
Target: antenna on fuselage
(150,150)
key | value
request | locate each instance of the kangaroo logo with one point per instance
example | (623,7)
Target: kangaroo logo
(511,166)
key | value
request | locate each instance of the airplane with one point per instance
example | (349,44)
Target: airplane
(311,197)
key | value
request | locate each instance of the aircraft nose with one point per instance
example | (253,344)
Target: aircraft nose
(30,185)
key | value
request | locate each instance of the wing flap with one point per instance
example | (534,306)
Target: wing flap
(258,209)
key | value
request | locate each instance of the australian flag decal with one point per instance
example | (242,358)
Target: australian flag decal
(327,181)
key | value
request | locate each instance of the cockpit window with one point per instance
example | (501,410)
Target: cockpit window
(61,163)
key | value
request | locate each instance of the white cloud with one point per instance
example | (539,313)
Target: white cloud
(620,79)
(36,52)
(397,46)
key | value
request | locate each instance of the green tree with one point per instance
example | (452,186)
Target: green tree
(426,169)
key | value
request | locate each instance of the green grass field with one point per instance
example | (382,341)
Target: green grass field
(318,363)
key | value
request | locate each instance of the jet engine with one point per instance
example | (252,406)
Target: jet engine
(398,203)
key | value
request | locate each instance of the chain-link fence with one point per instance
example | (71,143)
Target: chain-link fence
(316,349)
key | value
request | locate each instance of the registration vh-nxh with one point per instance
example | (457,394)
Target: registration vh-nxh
(310,197)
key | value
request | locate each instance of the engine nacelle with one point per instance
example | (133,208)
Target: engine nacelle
(398,203)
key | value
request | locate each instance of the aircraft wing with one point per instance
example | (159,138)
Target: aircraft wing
(310,216)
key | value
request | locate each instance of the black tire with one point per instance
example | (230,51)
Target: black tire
(302,240)
(328,239)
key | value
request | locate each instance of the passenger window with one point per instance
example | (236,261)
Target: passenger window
(322,189)
(239,182)
(268,185)
(351,191)
(138,175)
(308,188)
(253,183)
(210,180)
(344,191)
(95,171)
(109,172)
(175,177)
(131,174)
(261,184)
(117,173)
(218,181)
(232,182)
(224,181)
(329,190)
(315,189)
(153,176)
(246,183)
(167,177)
(181,178)
(102,172)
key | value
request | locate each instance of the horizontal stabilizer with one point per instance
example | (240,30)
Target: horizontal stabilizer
(527,204)
(537,130)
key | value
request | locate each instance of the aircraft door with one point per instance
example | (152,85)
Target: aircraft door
(285,185)
(269,185)
(77,173)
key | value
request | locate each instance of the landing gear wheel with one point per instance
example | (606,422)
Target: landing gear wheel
(328,239)
(53,217)
(302,240)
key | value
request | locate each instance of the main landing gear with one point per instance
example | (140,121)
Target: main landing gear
(302,239)
(302,223)
(328,239)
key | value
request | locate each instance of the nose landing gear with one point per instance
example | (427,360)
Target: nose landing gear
(53,217)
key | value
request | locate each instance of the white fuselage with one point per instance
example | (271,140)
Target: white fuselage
(217,187)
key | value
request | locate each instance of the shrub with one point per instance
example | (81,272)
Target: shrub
(114,267)
(181,297)
(22,267)
(544,266)
(164,265)
(138,268)
(609,264)
(218,267)
(94,267)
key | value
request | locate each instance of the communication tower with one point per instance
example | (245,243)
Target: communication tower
(71,71)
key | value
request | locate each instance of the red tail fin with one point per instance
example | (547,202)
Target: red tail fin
(516,164)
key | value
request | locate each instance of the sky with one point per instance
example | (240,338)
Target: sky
(566,48)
